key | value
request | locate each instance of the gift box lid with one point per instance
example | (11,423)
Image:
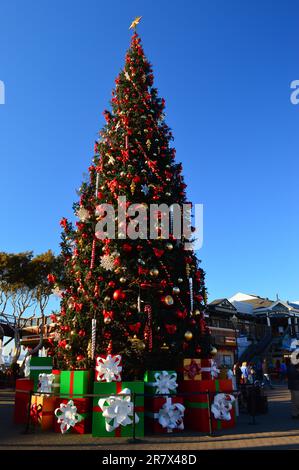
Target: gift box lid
(41,361)
(24,384)
(149,375)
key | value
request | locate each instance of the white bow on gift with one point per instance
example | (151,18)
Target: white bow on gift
(27,366)
(45,382)
(108,369)
(171,415)
(165,382)
(67,416)
(222,405)
(118,410)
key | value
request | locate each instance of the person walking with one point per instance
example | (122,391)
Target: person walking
(283,371)
(293,386)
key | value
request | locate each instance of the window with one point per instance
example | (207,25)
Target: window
(227,360)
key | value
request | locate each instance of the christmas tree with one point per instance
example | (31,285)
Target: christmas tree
(138,296)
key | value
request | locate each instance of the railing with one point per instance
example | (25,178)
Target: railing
(26,322)
(243,328)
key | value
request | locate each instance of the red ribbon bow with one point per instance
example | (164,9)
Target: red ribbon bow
(193,369)
(36,414)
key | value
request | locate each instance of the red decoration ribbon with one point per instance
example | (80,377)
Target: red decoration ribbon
(149,326)
(36,414)
(72,377)
(193,369)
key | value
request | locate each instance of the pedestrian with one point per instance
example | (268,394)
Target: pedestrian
(293,386)
(283,371)
(266,376)
(238,374)
(244,370)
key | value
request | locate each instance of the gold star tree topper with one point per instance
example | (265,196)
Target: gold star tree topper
(135,22)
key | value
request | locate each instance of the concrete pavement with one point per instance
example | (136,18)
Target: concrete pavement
(276,430)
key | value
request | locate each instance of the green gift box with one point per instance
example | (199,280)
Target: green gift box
(39,365)
(104,427)
(74,383)
(159,382)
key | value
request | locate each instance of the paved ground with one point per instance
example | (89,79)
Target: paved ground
(273,431)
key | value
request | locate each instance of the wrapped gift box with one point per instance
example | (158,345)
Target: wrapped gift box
(152,407)
(197,407)
(99,427)
(40,365)
(152,376)
(23,387)
(83,406)
(42,411)
(56,383)
(74,383)
(198,369)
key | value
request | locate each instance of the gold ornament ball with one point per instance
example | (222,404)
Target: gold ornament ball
(213,351)
(107,320)
(169,246)
(107,299)
(122,280)
(154,272)
(168,194)
(180,280)
(196,312)
(73,332)
(176,290)
(68,347)
(168,300)
(188,335)
(122,173)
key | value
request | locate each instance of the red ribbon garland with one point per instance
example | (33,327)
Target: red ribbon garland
(149,326)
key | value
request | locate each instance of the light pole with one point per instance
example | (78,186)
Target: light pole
(234,320)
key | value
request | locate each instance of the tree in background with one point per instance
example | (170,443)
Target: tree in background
(25,291)
(146,295)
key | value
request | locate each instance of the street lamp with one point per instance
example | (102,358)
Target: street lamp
(234,320)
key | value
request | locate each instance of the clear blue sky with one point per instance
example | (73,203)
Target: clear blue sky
(224,68)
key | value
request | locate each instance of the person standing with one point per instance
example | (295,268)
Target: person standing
(293,386)
(244,370)
(266,376)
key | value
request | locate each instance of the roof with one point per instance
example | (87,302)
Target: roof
(217,301)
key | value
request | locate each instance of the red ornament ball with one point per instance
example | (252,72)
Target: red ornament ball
(118,294)
(127,248)
(80,357)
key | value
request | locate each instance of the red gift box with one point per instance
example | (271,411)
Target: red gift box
(152,407)
(23,387)
(84,409)
(197,407)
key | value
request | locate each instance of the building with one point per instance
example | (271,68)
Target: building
(249,327)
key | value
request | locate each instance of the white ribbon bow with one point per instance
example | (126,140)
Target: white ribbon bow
(118,410)
(164,382)
(222,405)
(67,416)
(27,366)
(45,382)
(171,415)
(108,369)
